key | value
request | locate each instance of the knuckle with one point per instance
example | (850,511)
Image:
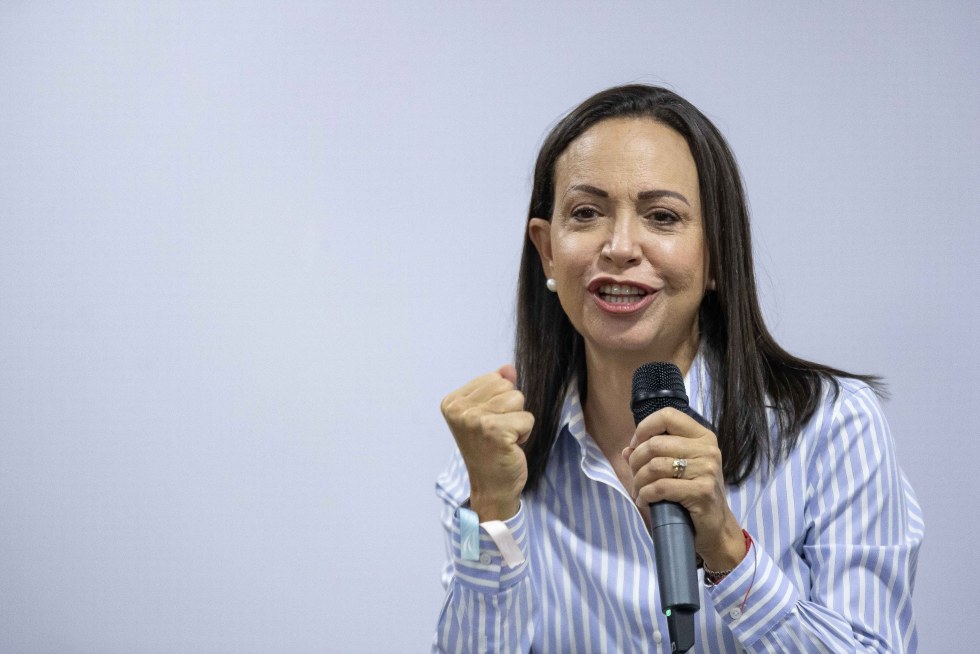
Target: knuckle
(517,397)
(487,423)
(711,468)
(650,492)
(650,469)
(507,400)
(704,487)
(471,419)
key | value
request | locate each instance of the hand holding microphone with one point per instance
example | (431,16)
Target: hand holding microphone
(677,473)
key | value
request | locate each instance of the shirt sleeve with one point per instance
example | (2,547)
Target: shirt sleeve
(861,545)
(488,606)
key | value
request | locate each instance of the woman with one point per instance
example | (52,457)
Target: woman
(638,250)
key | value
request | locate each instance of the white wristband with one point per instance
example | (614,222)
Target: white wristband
(498,531)
(508,547)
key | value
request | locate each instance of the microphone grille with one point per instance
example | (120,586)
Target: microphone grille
(656,386)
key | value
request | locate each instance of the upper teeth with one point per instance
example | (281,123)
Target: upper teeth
(618,289)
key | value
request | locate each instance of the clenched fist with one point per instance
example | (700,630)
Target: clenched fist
(488,421)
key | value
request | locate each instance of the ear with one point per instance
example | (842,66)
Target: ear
(710,284)
(539,231)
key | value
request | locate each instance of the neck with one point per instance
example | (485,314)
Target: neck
(608,417)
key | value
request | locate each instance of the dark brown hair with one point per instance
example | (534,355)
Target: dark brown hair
(749,369)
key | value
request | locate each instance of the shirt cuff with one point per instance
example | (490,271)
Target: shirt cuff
(754,597)
(490,573)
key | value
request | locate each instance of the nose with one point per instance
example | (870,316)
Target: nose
(622,247)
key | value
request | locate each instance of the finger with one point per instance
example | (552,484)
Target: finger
(667,421)
(508,372)
(663,468)
(507,402)
(472,393)
(474,384)
(508,427)
(694,495)
(666,445)
(490,385)
(525,427)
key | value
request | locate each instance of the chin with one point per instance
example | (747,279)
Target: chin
(633,347)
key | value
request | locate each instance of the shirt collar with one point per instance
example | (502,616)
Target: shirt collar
(573,418)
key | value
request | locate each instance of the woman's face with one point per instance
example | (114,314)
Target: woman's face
(625,242)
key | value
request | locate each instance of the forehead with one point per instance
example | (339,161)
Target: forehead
(628,155)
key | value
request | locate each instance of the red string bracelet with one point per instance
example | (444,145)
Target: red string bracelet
(755,567)
(711,578)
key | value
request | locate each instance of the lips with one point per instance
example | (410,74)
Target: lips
(620,293)
(620,297)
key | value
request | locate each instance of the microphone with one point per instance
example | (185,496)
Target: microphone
(656,386)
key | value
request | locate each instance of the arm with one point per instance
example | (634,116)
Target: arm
(861,545)
(488,606)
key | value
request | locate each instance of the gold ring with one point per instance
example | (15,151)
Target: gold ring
(680,465)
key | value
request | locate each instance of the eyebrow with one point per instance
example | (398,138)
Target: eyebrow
(643,195)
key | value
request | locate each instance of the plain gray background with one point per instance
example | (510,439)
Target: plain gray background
(246,248)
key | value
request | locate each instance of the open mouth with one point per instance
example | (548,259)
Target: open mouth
(620,293)
(621,298)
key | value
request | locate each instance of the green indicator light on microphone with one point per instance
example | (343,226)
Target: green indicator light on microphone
(667,613)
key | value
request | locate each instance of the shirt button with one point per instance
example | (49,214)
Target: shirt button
(657,636)
(736,613)
(485,558)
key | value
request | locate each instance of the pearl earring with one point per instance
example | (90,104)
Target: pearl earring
(552,285)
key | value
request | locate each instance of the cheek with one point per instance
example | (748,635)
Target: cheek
(570,256)
(685,266)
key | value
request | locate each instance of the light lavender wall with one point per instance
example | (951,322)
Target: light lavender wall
(245,249)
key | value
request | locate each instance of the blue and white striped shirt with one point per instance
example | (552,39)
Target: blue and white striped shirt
(835,525)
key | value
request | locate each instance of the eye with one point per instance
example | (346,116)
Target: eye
(663,217)
(585,213)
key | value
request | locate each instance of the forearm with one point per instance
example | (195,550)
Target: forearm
(486,622)
(489,604)
(872,612)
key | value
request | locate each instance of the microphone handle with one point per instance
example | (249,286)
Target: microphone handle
(677,569)
(677,574)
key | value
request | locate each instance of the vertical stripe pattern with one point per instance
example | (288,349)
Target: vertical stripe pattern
(835,525)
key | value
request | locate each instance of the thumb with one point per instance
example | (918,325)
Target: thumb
(508,372)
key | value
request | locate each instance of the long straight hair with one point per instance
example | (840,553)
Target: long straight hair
(751,372)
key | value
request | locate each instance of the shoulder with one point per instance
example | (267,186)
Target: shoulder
(842,399)
(848,431)
(855,405)
(851,388)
